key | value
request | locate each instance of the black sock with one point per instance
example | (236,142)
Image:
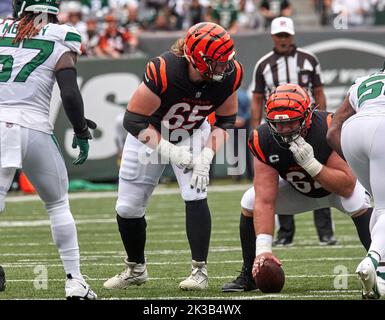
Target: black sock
(362,226)
(133,234)
(247,235)
(198,228)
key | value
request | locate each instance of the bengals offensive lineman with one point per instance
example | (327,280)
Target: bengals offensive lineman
(166,116)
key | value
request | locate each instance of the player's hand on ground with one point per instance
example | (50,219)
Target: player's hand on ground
(201,170)
(260,260)
(81,140)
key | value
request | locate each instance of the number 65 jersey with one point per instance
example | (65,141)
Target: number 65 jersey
(27,72)
(263,146)
(185,105)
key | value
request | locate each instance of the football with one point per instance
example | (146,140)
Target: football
(271,277)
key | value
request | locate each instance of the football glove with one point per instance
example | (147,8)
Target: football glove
(177,155)
(80,140)
(201,169)
(304,155)
(260,260)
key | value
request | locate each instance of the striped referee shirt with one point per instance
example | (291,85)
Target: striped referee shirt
(273,69)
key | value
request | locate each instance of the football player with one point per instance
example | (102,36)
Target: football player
(356,133)
(180,89)
(34,51)
(295,171)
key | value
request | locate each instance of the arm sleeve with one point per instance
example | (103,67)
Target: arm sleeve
(71,98)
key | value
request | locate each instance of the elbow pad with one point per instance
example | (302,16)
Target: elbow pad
(225,122)
(134,123)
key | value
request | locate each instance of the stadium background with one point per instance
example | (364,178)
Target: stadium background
(312,272)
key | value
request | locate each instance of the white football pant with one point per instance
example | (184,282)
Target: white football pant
(362,141)
(45,168)
(138,178)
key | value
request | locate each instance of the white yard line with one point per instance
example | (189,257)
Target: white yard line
(211,277)
(114,194)
(30,263)
(175,252)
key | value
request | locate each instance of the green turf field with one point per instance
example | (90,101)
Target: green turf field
(26,251)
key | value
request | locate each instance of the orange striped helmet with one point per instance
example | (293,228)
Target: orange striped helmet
(289,103)
(210,50)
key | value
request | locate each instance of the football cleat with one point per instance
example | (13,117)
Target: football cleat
(135,274)
(78,289)
(282,242)
(327,241)
(244,282)
(2,279)
(367,275)
(198,280)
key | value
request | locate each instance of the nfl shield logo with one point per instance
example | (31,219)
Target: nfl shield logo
(198,94)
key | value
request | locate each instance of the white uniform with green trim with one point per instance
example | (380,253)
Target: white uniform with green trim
(366,95)
(27,73)
(362,141)
(27,76)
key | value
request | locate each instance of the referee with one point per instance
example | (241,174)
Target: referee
(288,64)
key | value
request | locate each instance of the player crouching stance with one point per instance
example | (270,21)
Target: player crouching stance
(295,171)
(180,89)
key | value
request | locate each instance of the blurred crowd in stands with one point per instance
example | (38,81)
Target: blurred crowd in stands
(110,28)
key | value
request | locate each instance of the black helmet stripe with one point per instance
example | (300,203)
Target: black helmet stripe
(198,39)
(285,99)
(226,52)
(201,26)
(212,39)
(292,91)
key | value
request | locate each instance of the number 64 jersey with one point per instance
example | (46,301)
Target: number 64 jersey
(263,146)
(27,72)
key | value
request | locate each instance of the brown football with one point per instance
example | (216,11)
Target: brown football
(270,278)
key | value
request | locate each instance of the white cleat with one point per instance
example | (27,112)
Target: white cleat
(198,280)
(78,289)
(135,274)
(367,275)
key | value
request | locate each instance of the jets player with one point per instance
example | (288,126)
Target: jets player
(180,89)
(294,171)
(357,132)
(34,51)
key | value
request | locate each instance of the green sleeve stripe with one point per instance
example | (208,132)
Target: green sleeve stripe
(71,36)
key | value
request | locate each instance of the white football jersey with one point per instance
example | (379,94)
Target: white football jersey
(27,72)
(367,94)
